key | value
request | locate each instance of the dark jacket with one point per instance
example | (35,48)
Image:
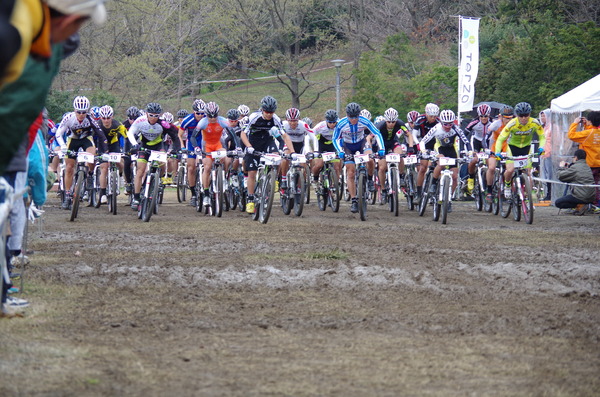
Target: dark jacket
(580,173)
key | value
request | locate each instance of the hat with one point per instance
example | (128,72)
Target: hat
(89,8)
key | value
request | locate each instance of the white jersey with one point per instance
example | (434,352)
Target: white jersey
(74,129)
(151,133)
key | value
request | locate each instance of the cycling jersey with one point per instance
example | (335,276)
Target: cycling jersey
(519,135)
(188,125)
(422,128)
(152,134)
(395,135)
(479,132)
(299,135)
(213,134)
(76,130)
(260,131)
(324,137)
(354,133)
(112,134)
(445,138)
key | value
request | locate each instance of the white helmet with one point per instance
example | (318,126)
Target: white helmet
(447,116)
(81,103)
(168,117)
(366,114)
(244,110)
(106,111)
(431,109)
(88,8)
(391,114)
(379,119)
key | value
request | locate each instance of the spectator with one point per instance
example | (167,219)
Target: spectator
(589,140)
(577,173)
(546,169)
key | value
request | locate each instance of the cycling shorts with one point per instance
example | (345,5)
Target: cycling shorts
(144,155)
(76,144)
(448,151)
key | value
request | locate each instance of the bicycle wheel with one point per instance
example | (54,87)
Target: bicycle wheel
(77,192)
(299,194)
(344,186)
(61,186)
(322,192)
(287,199)
(372,195)
(267,197)
(478,194)
(148,203)
(409,190)
(362,195)
(437,205)
(425,194)
(156,188)
(258,192)
(496,191)
(333,190)
(393,194)
(527,202)
(113,187)
(445,199)
(306,185)
(181,185)
(516,200)
(95,191)
(219,192)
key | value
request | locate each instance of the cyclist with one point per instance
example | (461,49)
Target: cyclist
(411,117)
(212,127)
(366,114)
(395,134)
(324,142)
(151,131)
(233,119)
(132,114)
(79,128)
(494,131)
(298,131)
(422,125)
(478,128)
(181,114)
(263,128)
(350,136)
(171,162)
(113,130)
(189,124)
(519,134)
(445,133)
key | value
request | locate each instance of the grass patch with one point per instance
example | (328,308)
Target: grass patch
(333,254)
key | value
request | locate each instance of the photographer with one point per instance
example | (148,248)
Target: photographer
(588,139)
(577,173)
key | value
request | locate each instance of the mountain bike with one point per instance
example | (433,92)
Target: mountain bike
(199,187)
(361,178)
(391,187)
(129,186)
(295,194)
(521,198)
(236,192)
(328,190)
(79,180)
(443,195)
(425,196)
(94,191)
(480,185)
(409,188)
(150,188)
(264,191)
(182,180)
(216,190)
(112,188)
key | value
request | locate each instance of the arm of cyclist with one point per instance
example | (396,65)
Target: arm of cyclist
(463,138)
(172,132)
(102,140)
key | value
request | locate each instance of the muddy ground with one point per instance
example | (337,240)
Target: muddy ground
(323,304)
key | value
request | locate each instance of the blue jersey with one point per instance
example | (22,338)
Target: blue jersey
(354,133)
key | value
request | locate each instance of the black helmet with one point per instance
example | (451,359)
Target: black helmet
(331,116)
(522,108)
(153,107)
(353,109)
(181,113)
(133,112)
(233,114)
(507,111)
(211,109)
(268,104)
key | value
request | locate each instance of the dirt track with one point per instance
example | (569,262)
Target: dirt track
(319,305)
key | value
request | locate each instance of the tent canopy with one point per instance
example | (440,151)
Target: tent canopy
(583,97)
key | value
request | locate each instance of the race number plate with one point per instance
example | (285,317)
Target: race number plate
(329,156)
(521,162)
(447,161)
(155,155)
(114,157)
(60,154)
(361,158)
(392,158)
(410,160)
(271,159)
(218,154)
(85,157)
(483,156)
(300,159)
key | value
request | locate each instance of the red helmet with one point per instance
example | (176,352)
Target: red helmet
(292,114)
(484,110)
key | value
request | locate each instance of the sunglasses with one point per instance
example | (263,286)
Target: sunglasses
(81,111)
(352,118)
(153,115)
(265,112)
(523,115)
(106,118)
(199,113)
(447,124)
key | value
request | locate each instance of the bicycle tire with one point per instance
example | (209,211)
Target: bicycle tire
(496,194)
(156,193)
(393,196)
(61,187)
(322,192)
(372,195)
(219,192)
(258,192)
(527,203)
(95,192)
(505,204)
(516,200)
(409,190)
(299,194)
(333,190)
(445,200)
(437,206)
(344,186)
(425,194)
(306,185)
(287,200)
(478,194)
(181,185)
(147,202)
(362,195)
(267,197)
(77,191)
(114,186)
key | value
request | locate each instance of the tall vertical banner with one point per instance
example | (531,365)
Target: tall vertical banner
(469,62)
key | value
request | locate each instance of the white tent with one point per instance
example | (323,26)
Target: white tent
(583,97)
